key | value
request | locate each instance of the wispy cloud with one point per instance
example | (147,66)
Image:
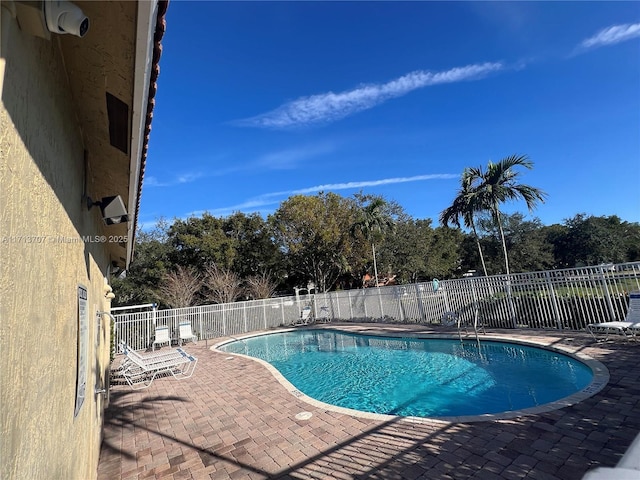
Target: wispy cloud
(612,35)
(329,107)
(177,180)
(274,198)
(291,158)
(368,183)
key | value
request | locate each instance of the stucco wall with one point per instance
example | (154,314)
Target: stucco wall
(42,262)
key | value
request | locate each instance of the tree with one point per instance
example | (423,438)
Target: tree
(181,287)
(260,286)
(222,285)
(201,241)
(498,184)
(372,222)
(527,243)
(465,206)
(313,233)
(590,240)
(556,236)
(255,251)
(405,249)
(445,251)
(150,263)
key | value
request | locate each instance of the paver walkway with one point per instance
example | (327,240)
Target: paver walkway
(234,420)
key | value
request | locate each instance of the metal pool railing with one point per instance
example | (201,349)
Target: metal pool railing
(566,299)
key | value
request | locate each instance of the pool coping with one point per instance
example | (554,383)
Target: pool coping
(600,375)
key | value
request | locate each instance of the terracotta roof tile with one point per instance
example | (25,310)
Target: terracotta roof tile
(161,26)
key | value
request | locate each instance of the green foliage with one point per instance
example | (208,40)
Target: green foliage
(327,239)
(445,253)
(372,223)
(526,242)
(499,184)
(466,205)
(405,250)
(256,254)
(589,240)
(313,232)
(200,242)
(151,263)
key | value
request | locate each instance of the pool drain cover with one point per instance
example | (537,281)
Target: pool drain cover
(304,416)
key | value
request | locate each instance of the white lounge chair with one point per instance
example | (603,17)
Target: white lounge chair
(140,373)
(148,358)
(162,336)
(628,327)
(305,317)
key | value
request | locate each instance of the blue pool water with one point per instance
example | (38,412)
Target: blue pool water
(417,377)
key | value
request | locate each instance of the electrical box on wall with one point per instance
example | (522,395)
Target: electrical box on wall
(30,16)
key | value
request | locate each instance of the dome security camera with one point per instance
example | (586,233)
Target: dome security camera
(64,17)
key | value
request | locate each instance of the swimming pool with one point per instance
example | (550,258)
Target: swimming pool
(418,377)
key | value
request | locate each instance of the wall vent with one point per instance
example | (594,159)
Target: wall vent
(118,113)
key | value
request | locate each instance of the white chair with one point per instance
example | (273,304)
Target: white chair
(325,315)
(305,317)
(628,327)
(162,336)
(186,334)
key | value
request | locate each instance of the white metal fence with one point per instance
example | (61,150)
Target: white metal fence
(555,299)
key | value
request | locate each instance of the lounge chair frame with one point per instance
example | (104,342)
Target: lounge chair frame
(140,372)
(627,328)
(148,358)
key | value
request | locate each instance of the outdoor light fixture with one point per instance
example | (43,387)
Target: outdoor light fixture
(112,208)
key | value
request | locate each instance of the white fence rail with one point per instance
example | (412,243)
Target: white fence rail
(555,299)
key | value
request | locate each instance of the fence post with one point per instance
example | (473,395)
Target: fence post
(399,294)
(315,307)
(264,312)
(512,308)
(445,290)
(244,316)
(151,325)
(224,321)
(612,315)
(554,301)
(364,302)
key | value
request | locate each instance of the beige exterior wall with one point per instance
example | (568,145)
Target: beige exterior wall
(42,262)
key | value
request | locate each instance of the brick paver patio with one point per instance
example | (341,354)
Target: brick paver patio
(234,420)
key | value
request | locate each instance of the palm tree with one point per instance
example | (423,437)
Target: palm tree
(464,207)
(373,222)
(498,184)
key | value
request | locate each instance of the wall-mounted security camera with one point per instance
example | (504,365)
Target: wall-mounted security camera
(112,208)
(64,17)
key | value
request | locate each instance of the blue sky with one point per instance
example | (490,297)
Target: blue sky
(258,101)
